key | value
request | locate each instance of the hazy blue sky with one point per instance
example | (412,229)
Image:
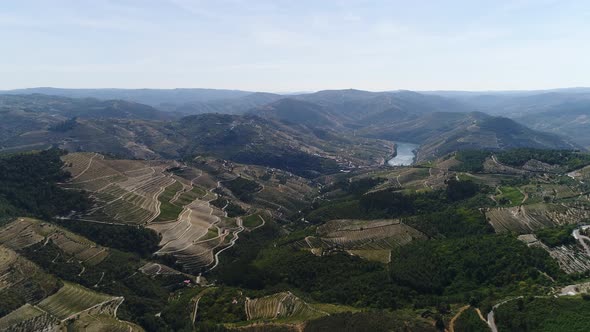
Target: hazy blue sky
(295,45)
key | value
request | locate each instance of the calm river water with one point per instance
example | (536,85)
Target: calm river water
(405,154)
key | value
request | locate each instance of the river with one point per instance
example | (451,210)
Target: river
(405,154)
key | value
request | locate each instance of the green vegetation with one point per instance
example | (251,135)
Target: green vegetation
(236,265)
(178,312)
(338,278)
(71,299)
(28,186)
(557,236)
(551,314)
(377,321)
(135,239)
(469,321)
(168,210)
(243,188)
(189,196)
(471,160)
(473,263)
(253,220)
(568,158)
(392,203)
(232,209)
(34,285)
(451,222)
(509,196)
(222,304)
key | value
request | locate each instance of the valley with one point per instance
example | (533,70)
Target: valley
(303,213)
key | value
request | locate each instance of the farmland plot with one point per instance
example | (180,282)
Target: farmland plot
(528,218)
(27,318)
(72,299)
(126,191)
(164,196)
(280,306)
(571,258)
(25,232)
(103,323)
(154,269)
(22,281)
(197,234)
(369,239)
(71,302)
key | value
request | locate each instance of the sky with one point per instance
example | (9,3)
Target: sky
(300,45)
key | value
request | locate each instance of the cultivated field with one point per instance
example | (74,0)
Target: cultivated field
(25,232)
(72,300)
(528,218)
(27,318)
(571,258)
(160,195)
(154,269)
(70,303)
(280,306)
(102,323)
(370,239)
(126,190)
(24,278)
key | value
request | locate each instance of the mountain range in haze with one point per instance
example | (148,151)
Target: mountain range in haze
(559,111)
(303,131)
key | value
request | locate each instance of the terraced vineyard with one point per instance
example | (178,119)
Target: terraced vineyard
(103,323)
(145,193)
(154,269)
(126,190)
(25,232)
(281,306)
(26,318)
(71,302)
(24,277)
(528,218)
(370,239)
(278,191)
(571,258)
(72,299)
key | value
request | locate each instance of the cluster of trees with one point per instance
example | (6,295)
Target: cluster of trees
(140,240)
(565,313)
(376,321)
(337,278)
(357,203)
(471,160)
(557,236)
(469,321)
(243,188)
(567,158)
(232,209)
(461,265)
(451,223)
(28,186)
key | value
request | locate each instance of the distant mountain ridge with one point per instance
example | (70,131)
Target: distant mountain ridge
(152,97)
(251,125)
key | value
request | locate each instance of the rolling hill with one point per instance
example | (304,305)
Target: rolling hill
(442,133)
(560,111)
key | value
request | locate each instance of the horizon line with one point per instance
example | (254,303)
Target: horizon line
(308,91)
